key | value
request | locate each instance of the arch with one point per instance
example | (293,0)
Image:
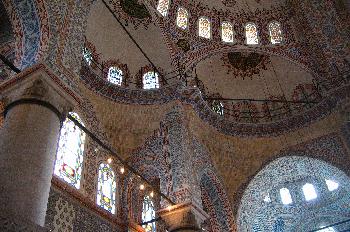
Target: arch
(227,34)
(182,18)
(70,152)
(29,21)
(275,32)
(204,27)
(216,203)
(106,188)
(251,34)
(292,173)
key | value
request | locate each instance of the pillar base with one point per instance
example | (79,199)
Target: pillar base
(185,217)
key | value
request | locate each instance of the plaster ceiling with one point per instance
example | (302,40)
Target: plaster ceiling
(112,42)
(281,76)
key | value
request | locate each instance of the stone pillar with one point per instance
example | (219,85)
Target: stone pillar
(28,143)
(185,217)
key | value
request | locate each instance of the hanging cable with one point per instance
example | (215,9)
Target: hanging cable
(133,40)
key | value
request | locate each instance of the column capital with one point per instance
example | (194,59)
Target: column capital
(39,84)
(183,217)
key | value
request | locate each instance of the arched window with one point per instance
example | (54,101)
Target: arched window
(69,157)
(285,196)
(163,7)
(148,213)
(87,54)
(275,32)
(115,75)
(309,192)
(106,188)
(332,185)
(251,34)
(227,32)
(204,27)
(150,80)
(182,18)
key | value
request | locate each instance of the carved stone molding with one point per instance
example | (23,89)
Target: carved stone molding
(184,217)
(39,83)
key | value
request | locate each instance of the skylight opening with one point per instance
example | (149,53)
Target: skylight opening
(332,185)
(309,192)
(285,196)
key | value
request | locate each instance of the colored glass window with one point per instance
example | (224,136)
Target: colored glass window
(227,32)
(150,80)
(182,18)
(148,213)
(106,188)
(163,7)
(332,185)
(309,192)
(251,33)
(285,196)
(204,28)
(218,107)
(275,32)
(87,55)
(70,152)
(115,75)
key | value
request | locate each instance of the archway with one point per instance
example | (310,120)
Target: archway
(278,197)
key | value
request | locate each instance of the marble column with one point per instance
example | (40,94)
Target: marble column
(28,143)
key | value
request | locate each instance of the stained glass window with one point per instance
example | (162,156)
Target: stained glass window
(150,80)
(285,196)
(69,157)
(163,7)
(218,107)
(275,32)
(115,75)
(182,18)
(204,27)
(227,32)
(148,213)
(87,55)
(309,192)
(251,33)
(106,188)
